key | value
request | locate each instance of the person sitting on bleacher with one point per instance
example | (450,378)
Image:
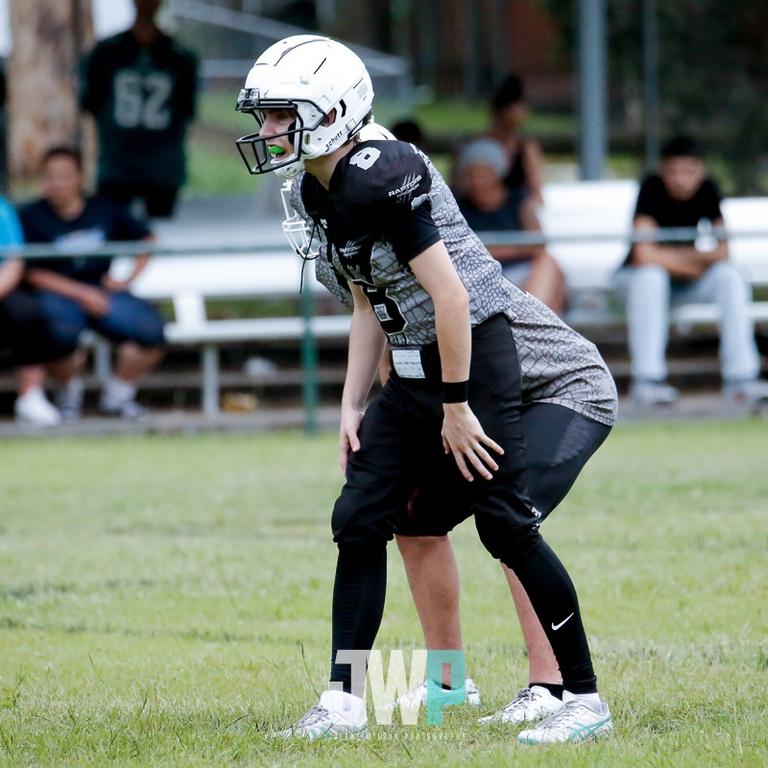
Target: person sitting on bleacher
(25,336)
(654,274)
(77,291)
(489,206)
(509,113)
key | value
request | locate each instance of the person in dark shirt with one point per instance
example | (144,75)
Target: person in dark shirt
(140,86)
(657,273)
(508,115)
(77,291)
(489,206)
(409,130)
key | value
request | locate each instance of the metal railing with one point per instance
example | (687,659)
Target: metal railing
(308,344)
(157,248)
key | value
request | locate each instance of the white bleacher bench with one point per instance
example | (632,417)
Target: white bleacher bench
(605,208)
(189,281)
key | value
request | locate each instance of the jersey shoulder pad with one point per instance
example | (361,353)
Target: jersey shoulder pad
(390,172)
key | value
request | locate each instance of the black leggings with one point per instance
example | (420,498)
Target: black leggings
(400,451)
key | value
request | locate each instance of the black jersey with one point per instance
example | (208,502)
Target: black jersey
(143,98)
(386,204)
(378,215)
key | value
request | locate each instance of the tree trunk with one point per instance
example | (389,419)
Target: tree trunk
(48,38)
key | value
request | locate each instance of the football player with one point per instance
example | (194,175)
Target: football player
(445,436)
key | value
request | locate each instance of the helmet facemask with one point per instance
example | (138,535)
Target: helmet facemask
(311,134)
(254,148)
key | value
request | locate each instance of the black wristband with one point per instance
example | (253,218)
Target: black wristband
(456,391)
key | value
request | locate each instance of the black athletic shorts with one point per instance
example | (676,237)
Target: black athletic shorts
(558,443)
(401,448)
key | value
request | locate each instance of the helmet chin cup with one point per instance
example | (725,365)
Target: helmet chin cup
(292,169)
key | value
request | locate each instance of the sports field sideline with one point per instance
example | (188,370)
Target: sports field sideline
(165,601)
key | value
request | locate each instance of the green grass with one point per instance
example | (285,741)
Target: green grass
(156,593)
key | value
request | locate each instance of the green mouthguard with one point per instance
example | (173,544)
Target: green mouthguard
(276,151)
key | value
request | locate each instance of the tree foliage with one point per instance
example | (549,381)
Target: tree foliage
(713,72)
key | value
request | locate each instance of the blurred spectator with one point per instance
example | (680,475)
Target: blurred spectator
(141,86)
(508,115)
(25,336)
(77,292)
(409,130)
(655,274)
(489,206)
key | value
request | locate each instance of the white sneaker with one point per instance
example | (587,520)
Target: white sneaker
(575,721)
(530,704)
(35,410)
(337,715)
(752,393)
(69,400)
(417,697)
(653,393)
(128,409)
(118,398)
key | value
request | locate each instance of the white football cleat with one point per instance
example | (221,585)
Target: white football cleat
(575,721)
(35,410)
(417,697)
(337,715)
(530,704)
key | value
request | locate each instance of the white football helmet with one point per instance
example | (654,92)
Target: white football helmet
(323,82)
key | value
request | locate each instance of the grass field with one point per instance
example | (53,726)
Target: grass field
(156,594)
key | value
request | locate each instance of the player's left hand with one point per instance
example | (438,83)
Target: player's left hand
(463,436)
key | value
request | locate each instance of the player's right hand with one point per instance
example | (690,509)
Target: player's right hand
(351,419)
(464,437)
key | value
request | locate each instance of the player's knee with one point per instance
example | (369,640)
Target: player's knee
(419,546)
(508,541)
(352,526)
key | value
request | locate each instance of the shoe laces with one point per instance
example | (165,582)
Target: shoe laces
(566,715)
(524,696)
(313,716)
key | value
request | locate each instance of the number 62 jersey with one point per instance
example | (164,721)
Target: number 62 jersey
(386,204)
